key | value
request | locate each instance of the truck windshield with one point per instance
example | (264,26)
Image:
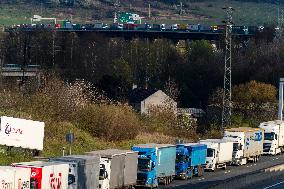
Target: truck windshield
(236,147)
(144,164)
(102,171)
(180,158)
(210,152)
(269,136)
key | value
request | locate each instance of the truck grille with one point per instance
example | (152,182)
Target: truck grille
(141,178)
(266,147)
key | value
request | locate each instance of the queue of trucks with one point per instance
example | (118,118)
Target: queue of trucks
(145,165)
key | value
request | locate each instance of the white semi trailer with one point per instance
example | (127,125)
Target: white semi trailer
(273,137)
(118,168)
(248,144)
(23,133)
(219,153)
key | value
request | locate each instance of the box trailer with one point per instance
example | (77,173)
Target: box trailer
(219,153)
(14,178)
(118,168)
(83,171)
(273,137)
(190,158)
(248,144)
(21,133)
(130,167)
(156,164)
(7,178)
(46,175)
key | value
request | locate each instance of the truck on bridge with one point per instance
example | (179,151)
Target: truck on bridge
(156,164)
(189,160)
(273,137)
(219,153)
(248,144)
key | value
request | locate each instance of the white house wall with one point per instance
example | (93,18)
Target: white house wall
(159,98)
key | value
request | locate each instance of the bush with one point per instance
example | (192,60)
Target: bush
(164,120)
(109,121)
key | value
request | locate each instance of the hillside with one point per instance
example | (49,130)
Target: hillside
(163,11)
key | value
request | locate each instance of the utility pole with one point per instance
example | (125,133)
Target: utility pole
(149,11)
(116,5)
(181,5)
(227,90)
(280,20)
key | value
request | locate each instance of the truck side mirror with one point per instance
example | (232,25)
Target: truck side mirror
(153,165)
(105,175)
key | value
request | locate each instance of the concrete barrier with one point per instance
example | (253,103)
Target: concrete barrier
(275,168)
(249,180)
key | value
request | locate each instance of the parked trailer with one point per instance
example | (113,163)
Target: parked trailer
(14,177)
(46,175)
(273,137)
(21,133)
(156,164)
(219,153)
(248,144)
(189,160)
(83,171)
(118,168)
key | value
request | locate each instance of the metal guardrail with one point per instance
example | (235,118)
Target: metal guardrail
(249,180)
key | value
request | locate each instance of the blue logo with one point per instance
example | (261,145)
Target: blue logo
(258,136)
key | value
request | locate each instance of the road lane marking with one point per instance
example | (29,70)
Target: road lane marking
(274,185)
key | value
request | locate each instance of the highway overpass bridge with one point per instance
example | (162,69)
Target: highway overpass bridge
(147,34)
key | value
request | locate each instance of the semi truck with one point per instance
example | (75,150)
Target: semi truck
(118,168)
(15,178)
(273,137)
(189,160)
(46,175)
(219,153)
(156,164)
(248,144)
(83,171)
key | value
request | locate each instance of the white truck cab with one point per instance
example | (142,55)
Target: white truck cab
(238,145)
(219,153)
(211,160)
(104,178)
(273,137)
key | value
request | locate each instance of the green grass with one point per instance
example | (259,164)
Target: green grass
(206,12)
(245,13)
(21,13)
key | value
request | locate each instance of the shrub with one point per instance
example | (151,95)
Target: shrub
(109,121)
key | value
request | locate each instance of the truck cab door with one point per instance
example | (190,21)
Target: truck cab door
(104,182)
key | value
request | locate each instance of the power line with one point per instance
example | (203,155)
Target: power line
(227,90)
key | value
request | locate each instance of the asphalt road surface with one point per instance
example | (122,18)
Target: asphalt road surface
(211,179)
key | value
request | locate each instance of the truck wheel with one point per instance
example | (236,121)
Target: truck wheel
(200,171)
(185,176)
(167,180)
(224,167)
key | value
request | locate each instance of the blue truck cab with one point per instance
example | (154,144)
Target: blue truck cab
(189,160)
(156,164)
